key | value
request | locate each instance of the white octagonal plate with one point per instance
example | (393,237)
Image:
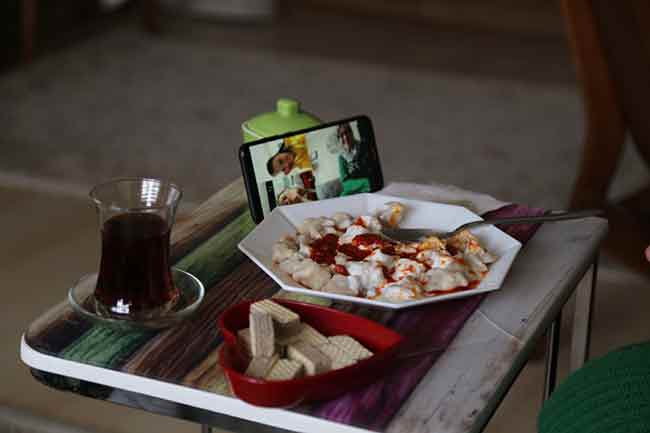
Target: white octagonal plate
(418,214)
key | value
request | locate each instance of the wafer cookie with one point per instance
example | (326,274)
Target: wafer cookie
(262,333)
(305,333)
(350,346)
(287,321)
(310,335)
(285,369)
(313,360)
(338,357)
(261,366)
(244,340)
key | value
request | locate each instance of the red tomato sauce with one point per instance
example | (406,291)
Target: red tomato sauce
(410,256)
(369,240)
(323,250)
(387,275)
(340,269)
(353,252)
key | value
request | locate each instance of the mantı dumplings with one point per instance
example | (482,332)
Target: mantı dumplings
(346,255)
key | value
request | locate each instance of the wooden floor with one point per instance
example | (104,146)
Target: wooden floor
(50,240)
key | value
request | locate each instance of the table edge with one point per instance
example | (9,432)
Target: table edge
(205,400)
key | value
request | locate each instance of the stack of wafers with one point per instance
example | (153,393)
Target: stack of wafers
(282,347)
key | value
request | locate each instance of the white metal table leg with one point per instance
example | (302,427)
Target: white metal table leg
(582,319)
(552,351)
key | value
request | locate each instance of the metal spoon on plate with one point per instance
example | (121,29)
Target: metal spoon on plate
(414,235)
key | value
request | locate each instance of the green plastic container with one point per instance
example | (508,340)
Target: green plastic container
(287,117)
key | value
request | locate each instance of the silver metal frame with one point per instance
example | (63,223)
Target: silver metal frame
(581,337)
(552,351)
(582,320)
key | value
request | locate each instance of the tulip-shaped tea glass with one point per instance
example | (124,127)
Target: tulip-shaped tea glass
(135,216)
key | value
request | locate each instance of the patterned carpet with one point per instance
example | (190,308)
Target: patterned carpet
(495,113)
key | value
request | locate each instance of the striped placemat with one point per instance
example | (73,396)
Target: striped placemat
(187,354)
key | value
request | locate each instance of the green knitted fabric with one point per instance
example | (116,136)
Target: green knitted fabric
(608,395)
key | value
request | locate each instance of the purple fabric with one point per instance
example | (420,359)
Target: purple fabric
(427,331)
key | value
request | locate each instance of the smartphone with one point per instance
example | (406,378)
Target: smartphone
(329,160)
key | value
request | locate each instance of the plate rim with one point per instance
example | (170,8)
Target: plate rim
(273,273)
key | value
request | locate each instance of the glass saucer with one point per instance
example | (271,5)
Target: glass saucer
(82,300)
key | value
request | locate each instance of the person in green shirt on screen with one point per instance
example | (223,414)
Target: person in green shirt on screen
(353,171)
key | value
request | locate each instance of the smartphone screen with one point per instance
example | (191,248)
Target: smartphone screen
(331,160)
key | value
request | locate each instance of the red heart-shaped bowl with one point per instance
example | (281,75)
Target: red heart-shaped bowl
(382,341)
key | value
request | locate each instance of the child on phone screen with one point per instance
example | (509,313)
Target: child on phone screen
(293,153)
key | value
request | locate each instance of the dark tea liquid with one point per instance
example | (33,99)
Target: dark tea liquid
(134,276)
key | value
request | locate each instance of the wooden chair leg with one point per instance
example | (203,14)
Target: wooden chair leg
(29,29)
(601,153)
(625,40)
(150,13)
(605,127)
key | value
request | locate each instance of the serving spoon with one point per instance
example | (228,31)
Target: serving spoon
(414,235)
